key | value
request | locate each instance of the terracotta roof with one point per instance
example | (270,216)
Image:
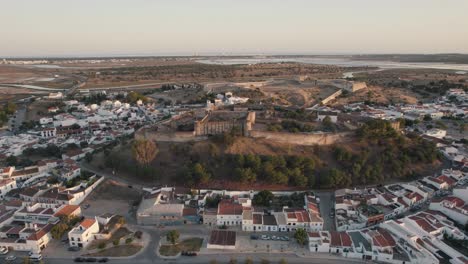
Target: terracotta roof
(87,223)
(66,210)
(314,234)
(29,191)
(435,180)
(455,200)
(25,172)
(229,208)
(189,211)
(340,239)
(447,179)
(257,219)
(38,235)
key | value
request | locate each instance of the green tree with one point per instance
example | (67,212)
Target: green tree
(301,236)
(59,230)
(173,236)
(248,261)
(328,124)
(245,175)
(263,198)
(200,174)
(11,161)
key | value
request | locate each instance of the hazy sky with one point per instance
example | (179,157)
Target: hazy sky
(145,27)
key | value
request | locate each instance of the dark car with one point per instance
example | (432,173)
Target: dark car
(103,260)
(189,253)
(79,260)
(91,259)
(254,237)
(73,249)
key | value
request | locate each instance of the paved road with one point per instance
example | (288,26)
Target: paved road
(327,201)
(223,257)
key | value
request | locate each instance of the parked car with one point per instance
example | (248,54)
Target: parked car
(74,249)
(35,257)
(3,250)
(79,259)
(189,253)
(10,258)
(103,260)
(254,237)
(91,259)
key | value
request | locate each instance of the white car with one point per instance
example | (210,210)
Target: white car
(10,258)
(3,250)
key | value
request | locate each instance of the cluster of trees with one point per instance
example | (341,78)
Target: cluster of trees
(376,129)
(50,151)
(94,98)
(294,170)
(65,225)
(196,173)
(267,199)
(291,126)
(390,157)
(247,169)
(133,97)
(263,198)
(5,111)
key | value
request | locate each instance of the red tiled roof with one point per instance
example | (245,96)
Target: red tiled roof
(189,211)
(87,223)
(229,208)
(38,235)
(455,200)
(447,179)
(66,210)
(314,234)
(402,202)
(257,219)
(424,225)
(340,239)
(435,180)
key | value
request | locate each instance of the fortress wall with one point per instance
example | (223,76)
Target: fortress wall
(303,138)
(168,137)
(332,97)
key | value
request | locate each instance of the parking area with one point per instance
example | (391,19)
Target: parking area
(112,197)
(265,242)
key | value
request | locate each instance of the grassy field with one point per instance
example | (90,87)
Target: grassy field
(190,244)
(118,234)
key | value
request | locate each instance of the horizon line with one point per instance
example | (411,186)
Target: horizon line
(213,54)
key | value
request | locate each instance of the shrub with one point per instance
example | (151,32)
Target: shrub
(116,242)
(102,245)
(138,234)
(128,240)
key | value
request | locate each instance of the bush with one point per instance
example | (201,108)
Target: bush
(102,245)
(138,234)
(116,242)
(128,240)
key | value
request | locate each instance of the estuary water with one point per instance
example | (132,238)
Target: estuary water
(461,68)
